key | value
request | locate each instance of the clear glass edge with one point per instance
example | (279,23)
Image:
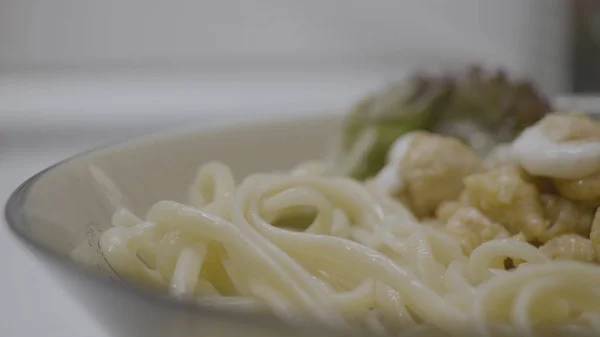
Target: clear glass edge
(15,220)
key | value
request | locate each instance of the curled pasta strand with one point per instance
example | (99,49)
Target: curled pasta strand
(363,260)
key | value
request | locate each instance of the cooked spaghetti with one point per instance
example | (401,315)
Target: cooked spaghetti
(456,246)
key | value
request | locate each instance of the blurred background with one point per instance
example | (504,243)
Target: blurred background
(584,46)
(527,36)
(234,35)
(67,62)
(79,73)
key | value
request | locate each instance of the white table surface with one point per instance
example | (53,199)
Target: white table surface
(45,119)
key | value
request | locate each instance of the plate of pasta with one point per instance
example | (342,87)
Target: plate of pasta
(264,218)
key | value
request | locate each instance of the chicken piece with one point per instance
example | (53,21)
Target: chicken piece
(505,196)
(565,216)
(586,190)
(433,170)
(503,155)
(569,247)
(473,228)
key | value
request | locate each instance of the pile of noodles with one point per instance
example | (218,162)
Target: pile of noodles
(306,245)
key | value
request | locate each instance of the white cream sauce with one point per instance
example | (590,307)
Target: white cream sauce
(539,155)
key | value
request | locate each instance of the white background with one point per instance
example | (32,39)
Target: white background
(77,73)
